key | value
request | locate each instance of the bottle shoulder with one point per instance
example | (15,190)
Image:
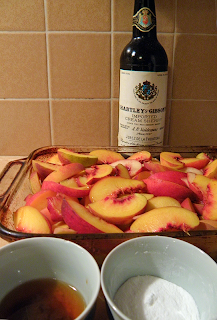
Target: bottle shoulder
(145,52)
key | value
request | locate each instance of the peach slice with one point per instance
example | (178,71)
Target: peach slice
(43,168)
(148,195)
(159,187)
(206,225)
(121,171)
(55,159)
(165,218)
(210,171)
(210,201)
(96,172)
(171,160)
(173,176)
(80,219)
(65,172)
(81,180)
(30,220)
(141,156)
(71,192)
(39,199)
(115,186)
(54,205)
(121,210)
(70,183)
(155,166)
(133,166)
(106,156)
(187,204)
(68,156)
(161,201)
(62,228)
(142,175)
(195,162)
(203,155)
(35,182)
(198,184)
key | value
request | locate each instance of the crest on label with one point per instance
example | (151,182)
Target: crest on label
(144,20)
(145,91)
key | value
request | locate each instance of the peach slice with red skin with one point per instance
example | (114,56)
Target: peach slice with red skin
(54,159)
(171,160)
(39,199)
(187,204)
(65,172)
(161,201)
(35,182)
(43,168)
(198,184)
(115,186)
(80,219)
(195,162)
(96,172)
(159,187)
(70,183)
(106,156)
(62,228)
(141,156)
(29,220)
(155,166)
(121,171)
(133,166)
(165,218)
(210,171)
(121,210)
(67,156)
(210,201)
(173,176)
(142,175)
(78,192)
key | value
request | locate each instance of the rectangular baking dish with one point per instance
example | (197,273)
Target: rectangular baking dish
(14,187)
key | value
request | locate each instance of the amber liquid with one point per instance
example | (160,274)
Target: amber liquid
(42,299)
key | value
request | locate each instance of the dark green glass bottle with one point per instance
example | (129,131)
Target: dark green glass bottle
(143,82)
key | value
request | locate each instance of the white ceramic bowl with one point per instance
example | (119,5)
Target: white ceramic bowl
(171,259)
(46,257)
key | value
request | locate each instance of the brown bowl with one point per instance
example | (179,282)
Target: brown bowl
(14,187)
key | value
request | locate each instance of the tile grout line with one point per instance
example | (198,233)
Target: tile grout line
(48,71)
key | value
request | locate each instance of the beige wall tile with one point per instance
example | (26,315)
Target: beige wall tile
(24,126)
(90,15)
(80,65)
(123,13)
(196,16)
(120,40)
(23,72)
(81,122)
(195,67)
(193,123)
(22,15)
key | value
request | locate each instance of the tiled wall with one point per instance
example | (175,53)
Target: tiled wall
(59,71)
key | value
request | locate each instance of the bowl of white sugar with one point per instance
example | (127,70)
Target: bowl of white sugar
(157,277)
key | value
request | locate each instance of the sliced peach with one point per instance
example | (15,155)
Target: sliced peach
(198,208)
(159,187)
(54,205)
(141,156)
(80,219)
(203,155)
(55,159)
(106,156)
(35,182)
(39,199)
(71,192)
(68,156)
(96,172)
(198,184)
(173,176)
(148,195)
(115,186)
(65,172)
(70,183)
(165,218)
(210,201)
(206,225)
(155,166)
(121,171)
(195,162)
(30,220)
(62,228)
(171,160)
(210,171)
(133,166)
(43,168)
(142,175)
(161,201)
(187,204)
(119,210)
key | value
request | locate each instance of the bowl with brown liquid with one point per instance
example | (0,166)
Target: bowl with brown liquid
(47,278)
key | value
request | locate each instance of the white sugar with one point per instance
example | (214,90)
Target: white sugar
(148,298)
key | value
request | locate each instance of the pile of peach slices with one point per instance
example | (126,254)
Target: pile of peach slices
(102,192)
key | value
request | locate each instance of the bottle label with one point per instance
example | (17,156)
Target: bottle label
(142,107)
(144,20)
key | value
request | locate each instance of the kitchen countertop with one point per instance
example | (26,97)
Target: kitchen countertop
(101,312)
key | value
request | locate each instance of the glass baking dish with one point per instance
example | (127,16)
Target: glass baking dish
(14,187)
